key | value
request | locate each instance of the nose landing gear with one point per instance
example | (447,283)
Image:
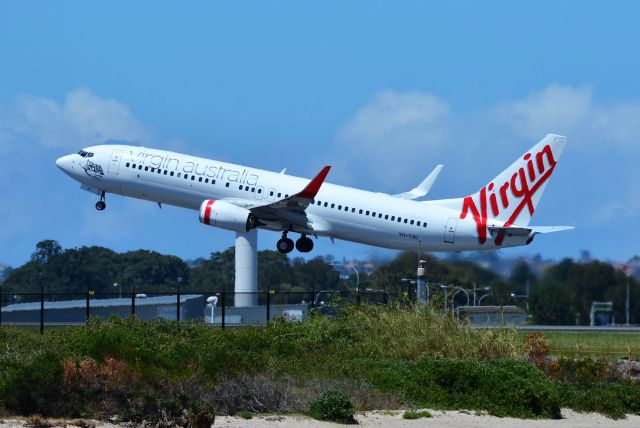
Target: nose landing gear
(101,204)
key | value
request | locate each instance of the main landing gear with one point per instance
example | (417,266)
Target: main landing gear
(303,244)
(101,204)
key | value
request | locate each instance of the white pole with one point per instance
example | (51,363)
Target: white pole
(246,283)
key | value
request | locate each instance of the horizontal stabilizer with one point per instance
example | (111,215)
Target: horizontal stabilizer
(550,229)
(523,231)
(423,188)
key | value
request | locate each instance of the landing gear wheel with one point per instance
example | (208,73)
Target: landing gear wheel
(101,204)
(304,244)
(285,245)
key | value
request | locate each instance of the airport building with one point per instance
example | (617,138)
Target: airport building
(75,311)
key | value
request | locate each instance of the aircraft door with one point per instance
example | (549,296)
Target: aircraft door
(114,163)
(450,230)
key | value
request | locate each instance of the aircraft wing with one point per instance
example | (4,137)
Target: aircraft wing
(290,211)
(423,188)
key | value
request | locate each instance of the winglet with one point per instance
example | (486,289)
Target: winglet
(423,188)
(313,187)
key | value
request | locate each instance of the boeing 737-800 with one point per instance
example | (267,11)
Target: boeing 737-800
(240,198)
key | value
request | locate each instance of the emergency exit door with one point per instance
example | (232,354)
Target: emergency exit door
(450,230)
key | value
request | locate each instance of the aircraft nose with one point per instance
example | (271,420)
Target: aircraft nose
(64,163)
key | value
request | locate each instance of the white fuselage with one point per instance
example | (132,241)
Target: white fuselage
(337,211)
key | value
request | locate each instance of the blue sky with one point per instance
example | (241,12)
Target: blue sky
(381,90)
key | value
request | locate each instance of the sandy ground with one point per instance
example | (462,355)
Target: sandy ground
(383,419)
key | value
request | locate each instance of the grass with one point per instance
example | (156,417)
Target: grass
(614,345)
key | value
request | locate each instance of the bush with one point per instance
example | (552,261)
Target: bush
(502,388)
(416,415)
(332,406)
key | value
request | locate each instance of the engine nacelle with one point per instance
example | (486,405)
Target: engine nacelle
(226,216)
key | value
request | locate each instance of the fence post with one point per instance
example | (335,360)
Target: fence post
(133,302)
(268,304)
(313,295)
(223,309)
(87,308)
(178,304)
(41,310)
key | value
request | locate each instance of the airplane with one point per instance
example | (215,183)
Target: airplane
(240,198)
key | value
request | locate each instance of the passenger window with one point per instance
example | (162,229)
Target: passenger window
(206,180)
(360,212)
(133,166)
(411,222)
(373,214)
(424,224)
(227,184)
(333,205)
(171,173)
(399,219)
(159,171)
(186,176)
(127,164)
(393,218)
(380,215)
(346,208)
(259,190)
(418,223)
(240,187)
(367,212)
(353,210)
(386,217)
(153,170)
(286,195)
(279,194)
(200,179)
(179,175)
(165,172)
(271,193)
(326,204)
(146,168)
(340,207)
(318,203)
(253,189)
(405,221)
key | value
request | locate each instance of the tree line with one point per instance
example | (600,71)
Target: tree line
(561,294)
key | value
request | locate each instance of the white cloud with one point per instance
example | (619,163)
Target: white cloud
(574,112)
(555,109)
(82,119)
(392,133)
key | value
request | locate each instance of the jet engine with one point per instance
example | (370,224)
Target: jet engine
(226,216)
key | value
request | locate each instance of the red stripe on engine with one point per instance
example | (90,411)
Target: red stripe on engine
(207,212)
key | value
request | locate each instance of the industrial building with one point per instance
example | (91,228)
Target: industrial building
(75,311)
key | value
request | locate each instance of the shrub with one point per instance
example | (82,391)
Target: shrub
(416,415)
(502,388)
(332,406)
(244,415)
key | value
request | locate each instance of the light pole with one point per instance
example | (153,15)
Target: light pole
(115,284)
(459,289)
(627,302)
(446,295)
(357,277)
(480,300)
(212,301)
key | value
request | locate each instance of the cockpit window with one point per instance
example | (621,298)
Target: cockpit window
(85,154)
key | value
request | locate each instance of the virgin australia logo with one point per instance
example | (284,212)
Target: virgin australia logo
(93,170)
